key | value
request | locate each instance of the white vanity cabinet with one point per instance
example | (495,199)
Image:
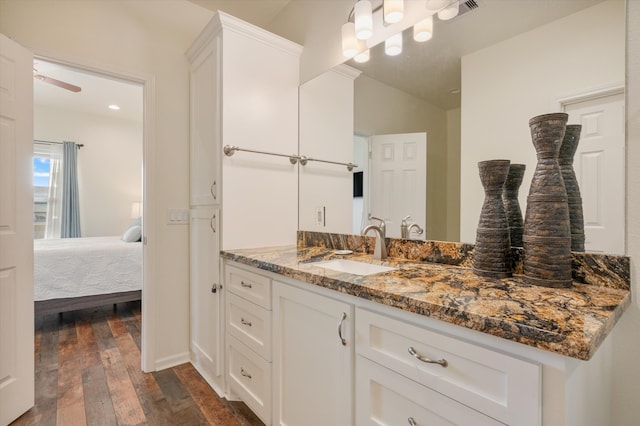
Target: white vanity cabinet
(248,326)
(243,92)
(396,367)
(408,371)
(313,357)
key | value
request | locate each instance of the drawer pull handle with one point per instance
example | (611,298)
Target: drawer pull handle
(211,223)
(213,190)
(342,339)
(244,373)
(245,322)
(412,422)
(442,362)
(246,285)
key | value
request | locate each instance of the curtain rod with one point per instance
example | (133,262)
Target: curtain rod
(80,145)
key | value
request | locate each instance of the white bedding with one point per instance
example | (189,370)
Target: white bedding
(73,267)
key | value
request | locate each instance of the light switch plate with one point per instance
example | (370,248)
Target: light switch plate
(177,216)
(320,213)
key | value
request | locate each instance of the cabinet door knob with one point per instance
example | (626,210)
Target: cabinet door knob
(442,362)
(246,285)
(245,322)
(412,422)
(244,373)
(342,339)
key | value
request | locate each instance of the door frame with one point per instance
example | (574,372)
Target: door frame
(149,196)
(594,93)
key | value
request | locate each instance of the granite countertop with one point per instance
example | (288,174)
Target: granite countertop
(571,322)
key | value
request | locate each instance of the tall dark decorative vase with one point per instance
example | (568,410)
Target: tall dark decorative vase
(565,159)
(492,253)
(511,204)
(547,236)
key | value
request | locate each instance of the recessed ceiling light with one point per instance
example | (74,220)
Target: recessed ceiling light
(114,107)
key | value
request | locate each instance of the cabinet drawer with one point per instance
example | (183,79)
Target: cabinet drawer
(388,398)
(250,324)
(253,287)
(498,385)
(250,378)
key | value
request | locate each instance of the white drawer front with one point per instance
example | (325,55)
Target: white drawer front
(503,387)
(252,287)
(250,324)
(250,378)
(387,398)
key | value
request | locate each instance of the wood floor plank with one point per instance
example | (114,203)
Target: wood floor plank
(173,390)
(125,400)
(213,408)
(98,406)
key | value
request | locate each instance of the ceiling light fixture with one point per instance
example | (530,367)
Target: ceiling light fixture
(393,11)
(423,30)
(366,21)
(114,107)
(363,17)
(393,45)
(449,12)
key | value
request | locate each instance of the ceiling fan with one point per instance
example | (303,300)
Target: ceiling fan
(55,82)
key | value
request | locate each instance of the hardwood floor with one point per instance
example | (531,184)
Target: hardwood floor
(87,370)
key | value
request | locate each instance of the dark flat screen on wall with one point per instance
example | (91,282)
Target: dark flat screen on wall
(357,184)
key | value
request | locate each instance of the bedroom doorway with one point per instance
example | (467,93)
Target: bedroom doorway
(109,116)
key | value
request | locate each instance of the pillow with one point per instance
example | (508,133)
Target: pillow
(132,234)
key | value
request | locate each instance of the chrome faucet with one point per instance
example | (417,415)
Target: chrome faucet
(380,250)
(406,228)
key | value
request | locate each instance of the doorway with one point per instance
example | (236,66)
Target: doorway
(136,109)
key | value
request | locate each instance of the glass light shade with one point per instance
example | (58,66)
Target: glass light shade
(349,40)
(449,12)
(393,11)
(437,4)
(423,30)
(393,45)
(362,56)
(363,19)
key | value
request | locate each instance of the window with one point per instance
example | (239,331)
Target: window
(47,189)
(41,175)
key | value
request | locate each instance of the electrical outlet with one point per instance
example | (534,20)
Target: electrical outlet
(320,211)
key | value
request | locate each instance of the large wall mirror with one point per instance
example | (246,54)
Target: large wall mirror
(470,92)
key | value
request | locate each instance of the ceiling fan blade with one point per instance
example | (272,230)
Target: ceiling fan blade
(58,83)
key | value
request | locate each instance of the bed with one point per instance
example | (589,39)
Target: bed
(79,273)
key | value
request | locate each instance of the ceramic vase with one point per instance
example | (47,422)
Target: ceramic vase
(574,199)
(547,236)
(492,253)
(512,205)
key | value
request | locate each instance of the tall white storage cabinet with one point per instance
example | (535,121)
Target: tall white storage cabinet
(244,93)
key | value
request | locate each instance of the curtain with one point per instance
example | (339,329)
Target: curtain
(70,226)
(54,197)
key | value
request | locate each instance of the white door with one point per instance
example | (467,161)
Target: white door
(399,180)
(205,292)
(16,231)
(599,166)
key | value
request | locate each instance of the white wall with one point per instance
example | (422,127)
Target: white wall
(109,164)
(453,175)
(381,109)
(506,84)
(134,38)
(626,369)
(326,132)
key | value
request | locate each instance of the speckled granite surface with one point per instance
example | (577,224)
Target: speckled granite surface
(588,268)
(571,322)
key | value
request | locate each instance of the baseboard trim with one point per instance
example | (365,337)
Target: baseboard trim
(172,361)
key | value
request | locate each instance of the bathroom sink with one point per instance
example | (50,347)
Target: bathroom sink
(353,267)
